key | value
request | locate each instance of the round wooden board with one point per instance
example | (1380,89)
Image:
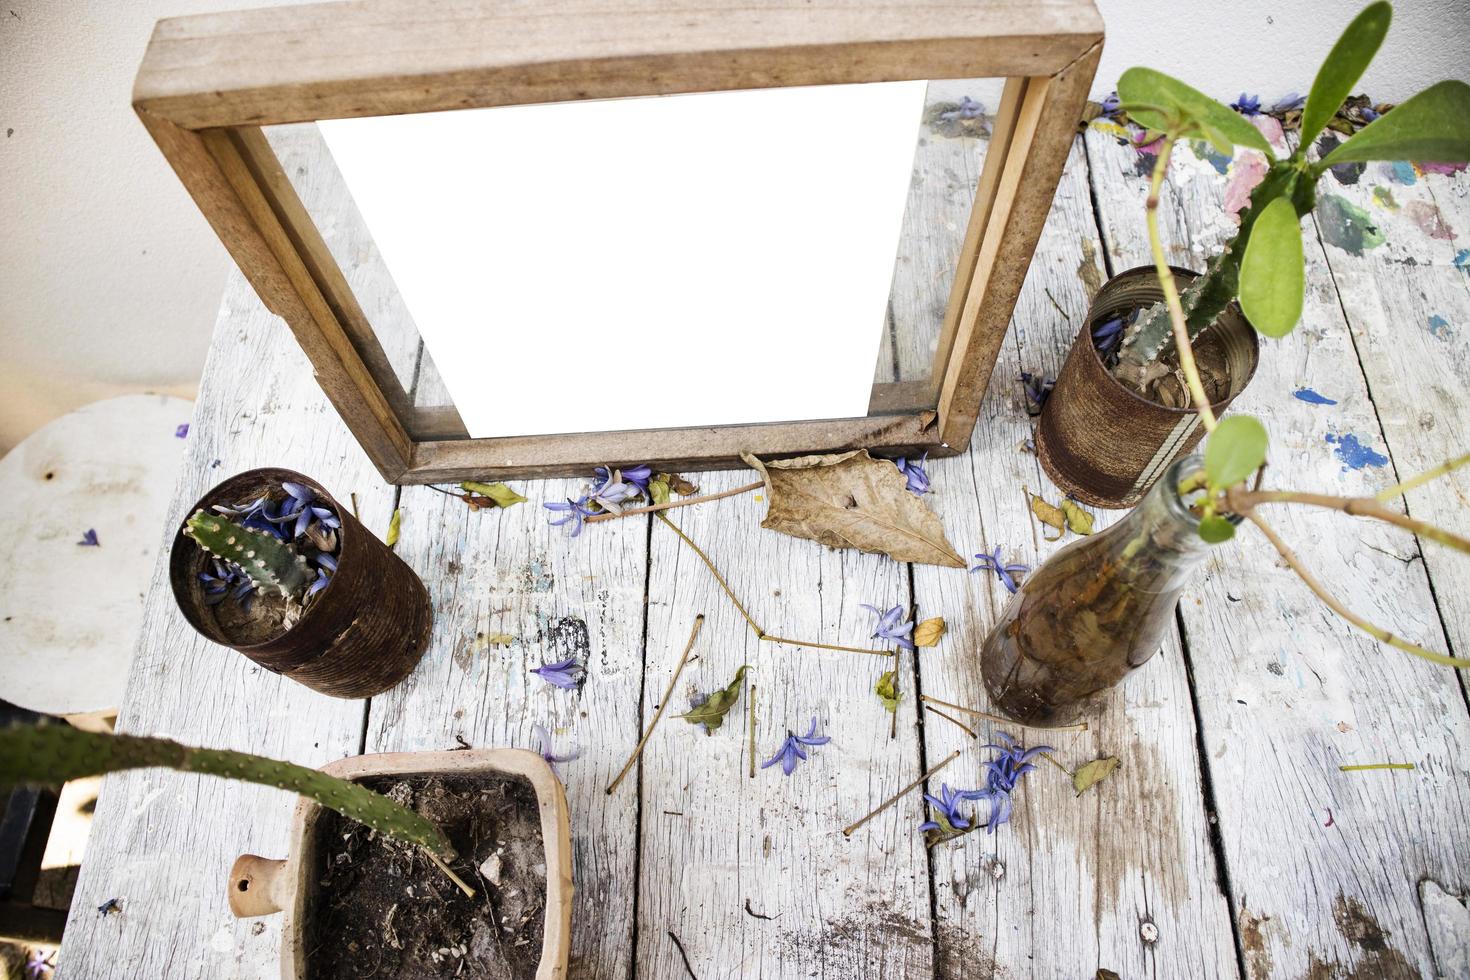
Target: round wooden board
(69,614)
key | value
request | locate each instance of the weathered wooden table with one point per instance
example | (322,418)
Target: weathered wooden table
(1228,844)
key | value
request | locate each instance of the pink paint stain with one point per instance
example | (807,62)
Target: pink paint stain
(1426,218)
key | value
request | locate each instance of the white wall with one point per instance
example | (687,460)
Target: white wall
(109,278)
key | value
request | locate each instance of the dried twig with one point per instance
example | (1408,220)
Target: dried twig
(751,696)
(1434,473)
(847,831)
(953,721)
(683,502)
(760,634)
(683,955)
(1376,765)
(452,876)
(1079,727)
(659,712)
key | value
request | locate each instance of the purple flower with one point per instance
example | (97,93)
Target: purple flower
(1288,102)
(255,515)
(562,674)
(1111,104)
(182,432)
(577,512)
(1368,113)
(1247,105)
(1001,775)
(298,506)
(1006,573)
(790,750)
(967,109)
(636,476)
(543,741)
(89,539)
(1107,336)
(224,579)
(38,965)
(948,805)
(1038,390)
(913,471)
(890,626)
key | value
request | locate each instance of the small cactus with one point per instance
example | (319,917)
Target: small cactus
(270,562)
(55,753)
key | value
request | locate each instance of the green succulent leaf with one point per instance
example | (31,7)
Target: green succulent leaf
(887,690)
(1235,450)
(54,753)
(503,495)
(711,714)
(1433,126)
(1153,96)
(1216,529)
(1345,64)
(1272,273)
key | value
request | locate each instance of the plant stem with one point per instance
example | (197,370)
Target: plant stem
(1171,293)
(1399,489)
(659,712)
(1241,501)
(848,830)
(685,502)
(470,892)
(760,634)
(953,721)
(752,731)
(1376,765)
(1377,632)
(1048,758)
(1079,727)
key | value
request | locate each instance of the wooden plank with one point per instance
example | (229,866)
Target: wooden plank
(948,158)
(324,61)
(688,449)
(1069,884)
(1038,151)
(1286,692)
(162,842)
(1408,304)
(714,839)
(509,572)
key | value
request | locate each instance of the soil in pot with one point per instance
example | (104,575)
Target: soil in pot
(382,908)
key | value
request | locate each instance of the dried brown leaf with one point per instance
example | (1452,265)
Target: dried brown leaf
(851,500)
(927,633)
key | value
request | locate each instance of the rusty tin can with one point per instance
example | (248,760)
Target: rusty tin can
(1107,445)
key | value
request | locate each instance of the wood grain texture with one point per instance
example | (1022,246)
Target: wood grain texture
(1285,691)
(509,572)
(712,837)
(162,842)
(325,61)
(1070,883)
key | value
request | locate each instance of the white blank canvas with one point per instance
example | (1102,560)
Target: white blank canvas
(644,263)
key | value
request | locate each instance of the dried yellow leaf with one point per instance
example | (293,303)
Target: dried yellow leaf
(1050,516)
(927,633)
(1079,520)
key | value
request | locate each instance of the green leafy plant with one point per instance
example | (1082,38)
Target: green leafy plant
(51,754)
(1263,266)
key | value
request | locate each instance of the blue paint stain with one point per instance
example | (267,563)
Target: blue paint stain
(1353,453)
(1439,327)
(1462,260)
(1401,172)
(1311,397)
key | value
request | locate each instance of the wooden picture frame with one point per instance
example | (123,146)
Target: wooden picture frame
(209,83)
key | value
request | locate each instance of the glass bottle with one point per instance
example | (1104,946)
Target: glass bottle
(1095,610)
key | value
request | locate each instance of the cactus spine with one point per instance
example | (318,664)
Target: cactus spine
(270,562)
(53,753)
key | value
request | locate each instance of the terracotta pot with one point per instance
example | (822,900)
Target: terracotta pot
(260,886)
(360,636)
(1101,442)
